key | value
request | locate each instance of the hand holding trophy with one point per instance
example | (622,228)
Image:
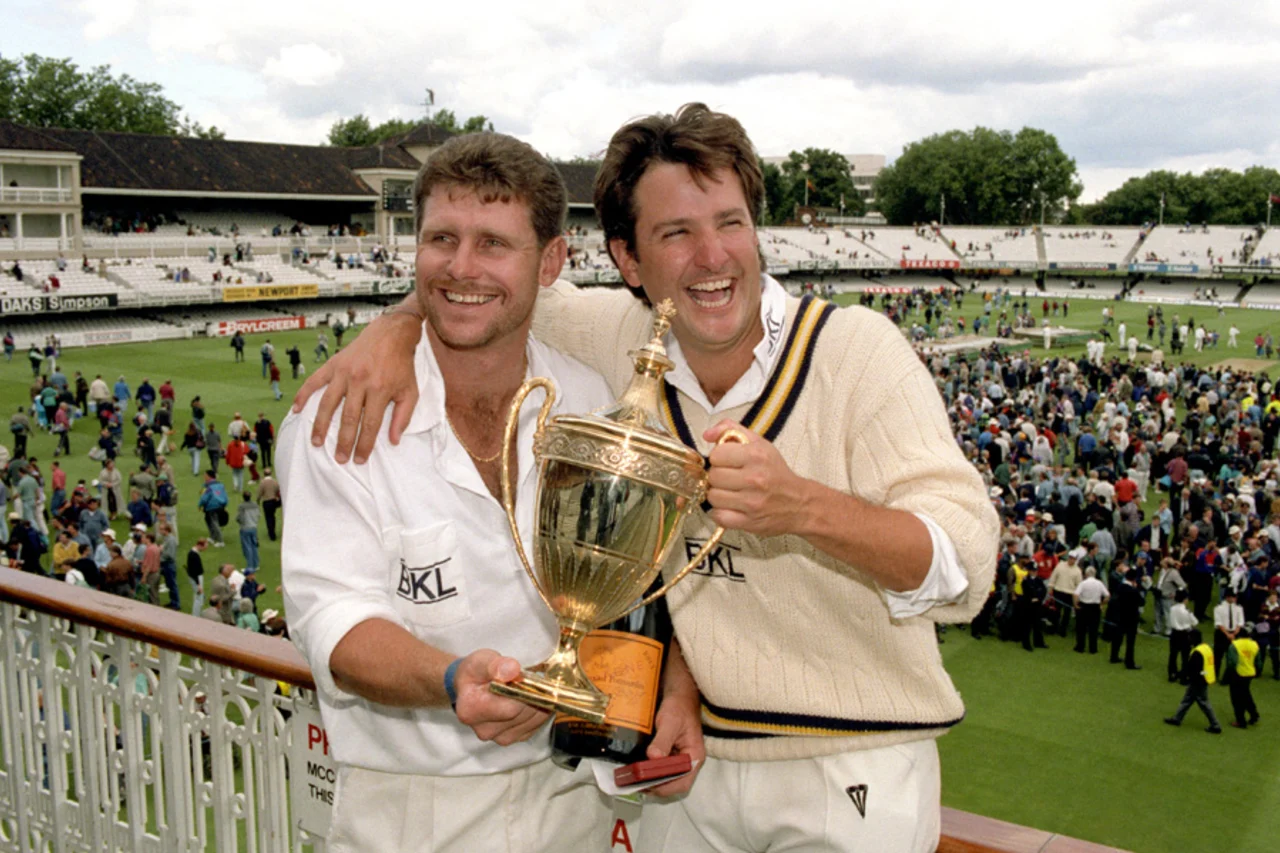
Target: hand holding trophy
(614,489)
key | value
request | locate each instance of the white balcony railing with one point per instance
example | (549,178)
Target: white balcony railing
(42,195)
(125,726)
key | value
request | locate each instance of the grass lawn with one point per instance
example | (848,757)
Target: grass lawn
(1072,744)
(199,366)
(1054,740)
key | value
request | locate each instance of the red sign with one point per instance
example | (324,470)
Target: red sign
(929,265)
(226,328)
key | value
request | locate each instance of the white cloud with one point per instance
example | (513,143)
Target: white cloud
(304,65)
(107,18)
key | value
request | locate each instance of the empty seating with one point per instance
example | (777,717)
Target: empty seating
(1088,245)
(1014,245)
(1267,252)
(1216,244)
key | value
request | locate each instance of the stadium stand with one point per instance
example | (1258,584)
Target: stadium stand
(1101,288)
(274,270)
(1263,295)
(1267,250)
(1200,245)
(1066,245)
(248,223)
(143,274)
(909,244)
(789,245)
(82,330)
(780,246)
(994,244)
(71,282)
(1179,290)
(318,313)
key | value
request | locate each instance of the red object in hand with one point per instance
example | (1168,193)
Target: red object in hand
(654,770)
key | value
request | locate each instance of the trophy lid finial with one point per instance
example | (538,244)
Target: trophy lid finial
(666,310)
(639,405)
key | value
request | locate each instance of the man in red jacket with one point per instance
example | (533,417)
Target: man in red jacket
(1126,489)
(235,454)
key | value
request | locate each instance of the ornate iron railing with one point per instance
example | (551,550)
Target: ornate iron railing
(129,727)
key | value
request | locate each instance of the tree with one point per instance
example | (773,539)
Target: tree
(1216,197)
(357,131)
(986,176)
(45,92)
(198,131)
(446,120)
(354,132)
(828,178)
(777,195)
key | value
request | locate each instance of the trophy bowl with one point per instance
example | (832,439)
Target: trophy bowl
(613,491)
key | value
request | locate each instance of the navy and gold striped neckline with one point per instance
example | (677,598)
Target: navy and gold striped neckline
(769,413)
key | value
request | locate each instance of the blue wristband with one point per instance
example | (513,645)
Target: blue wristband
(450,674)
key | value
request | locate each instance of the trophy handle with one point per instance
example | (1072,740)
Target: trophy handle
(508,438)
(730,435)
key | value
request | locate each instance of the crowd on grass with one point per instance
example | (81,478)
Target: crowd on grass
(118,532)
(1122,483)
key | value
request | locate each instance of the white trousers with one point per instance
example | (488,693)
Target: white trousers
(883,800)
(517,811)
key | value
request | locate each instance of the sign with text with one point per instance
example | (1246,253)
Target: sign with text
(57,304)
(999,266)
(865,263)
(226,328)
(1082,265)
(313,770)
(113,336)
(926,264)
(254,292)
(393,285)
(1147,266)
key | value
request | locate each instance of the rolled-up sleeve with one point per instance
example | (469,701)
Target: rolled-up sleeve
(334,565)
(905,457)
(945,583)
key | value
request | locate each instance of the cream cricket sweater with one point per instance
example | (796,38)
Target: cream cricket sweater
(794,651)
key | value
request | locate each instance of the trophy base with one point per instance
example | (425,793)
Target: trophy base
(542,692)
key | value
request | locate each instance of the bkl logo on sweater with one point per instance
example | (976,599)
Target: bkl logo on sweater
(426,584)
(717,564)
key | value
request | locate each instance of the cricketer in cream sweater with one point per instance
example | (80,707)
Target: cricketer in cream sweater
(797,654)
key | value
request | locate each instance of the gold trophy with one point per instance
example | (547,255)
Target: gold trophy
(614,489)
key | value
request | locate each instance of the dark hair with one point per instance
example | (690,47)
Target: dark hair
(695,137)
(499,168)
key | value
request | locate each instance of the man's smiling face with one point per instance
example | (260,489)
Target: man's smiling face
(696,245)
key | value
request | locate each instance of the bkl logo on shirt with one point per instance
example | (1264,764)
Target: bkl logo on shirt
(425,584)
(717,564)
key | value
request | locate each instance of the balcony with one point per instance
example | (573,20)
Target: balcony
(129,727)
(35,195)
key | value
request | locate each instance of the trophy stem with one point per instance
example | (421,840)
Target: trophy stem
(558,684)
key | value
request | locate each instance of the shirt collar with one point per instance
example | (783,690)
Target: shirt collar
(773,317)
(429,413)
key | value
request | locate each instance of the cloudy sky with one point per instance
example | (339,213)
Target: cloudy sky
(1126,85)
